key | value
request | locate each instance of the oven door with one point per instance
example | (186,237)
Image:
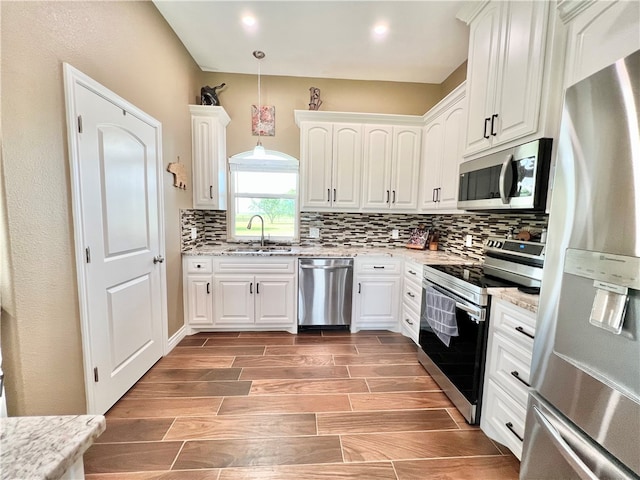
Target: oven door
(459,368)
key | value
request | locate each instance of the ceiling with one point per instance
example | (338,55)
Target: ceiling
(324,39)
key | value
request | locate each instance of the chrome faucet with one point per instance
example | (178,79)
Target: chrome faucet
(261,234)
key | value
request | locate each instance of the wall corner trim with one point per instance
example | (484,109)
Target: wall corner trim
(175,339)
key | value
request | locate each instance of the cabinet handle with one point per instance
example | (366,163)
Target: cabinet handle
(258,287)
(517,375)
(359,287)
(394,196)
(251,288)
(412,272)
(211,192)
(526,334)
(438,194)
(387,196)
(334,194)
(378,268)
(411,295)
(208,288)
(408,321)
(509,425)
(433,196)
(493,118)
(328,194)
(486,123)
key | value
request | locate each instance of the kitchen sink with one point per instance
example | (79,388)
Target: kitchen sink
(250,249)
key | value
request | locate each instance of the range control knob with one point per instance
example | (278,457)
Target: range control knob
(498,245)
(489,243)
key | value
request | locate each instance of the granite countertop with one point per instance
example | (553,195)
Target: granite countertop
(515,296)
(45,447)
(426,257)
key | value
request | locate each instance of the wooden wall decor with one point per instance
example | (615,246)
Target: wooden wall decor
(179,174)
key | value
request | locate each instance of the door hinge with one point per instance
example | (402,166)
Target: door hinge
(87,254)
(79,123)
(95,374)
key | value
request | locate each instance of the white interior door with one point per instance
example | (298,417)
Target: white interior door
(117,214)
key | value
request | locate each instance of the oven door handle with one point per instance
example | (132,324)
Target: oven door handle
(477,313)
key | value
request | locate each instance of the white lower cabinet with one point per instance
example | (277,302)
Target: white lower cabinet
(376,302)
(240,294)
(507,374)
(411,300)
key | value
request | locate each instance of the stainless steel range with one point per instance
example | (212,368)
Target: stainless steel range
(456,362)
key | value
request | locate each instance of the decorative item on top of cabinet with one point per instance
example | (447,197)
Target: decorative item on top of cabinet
(209,145)
(209,95)
(314,102)
(509,48)
(376,293)
(508,368)
(596,35)
(442,152)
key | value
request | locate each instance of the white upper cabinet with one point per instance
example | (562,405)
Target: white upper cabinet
(505,72)
(354,162)
(599,33)
(331,158)
(442,153)
(209,150)
(390,168)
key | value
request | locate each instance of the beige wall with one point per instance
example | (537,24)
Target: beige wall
(458,76)
(129,48)
(292,93)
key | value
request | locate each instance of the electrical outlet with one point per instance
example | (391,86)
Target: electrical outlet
(395,234)
(468,241)
(194,233)
(314,232)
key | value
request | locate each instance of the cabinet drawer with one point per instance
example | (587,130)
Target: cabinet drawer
(378,265)
(253,266)
(514,322)
(413,271)
(410,323)
(503,419)
(199,264)
(412,294)
(510,367)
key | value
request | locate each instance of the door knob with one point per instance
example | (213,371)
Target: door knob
(158,259)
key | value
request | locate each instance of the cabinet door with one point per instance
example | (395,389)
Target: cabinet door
(432,162)
(315,165)
(275,300)
(484,47)
(377,167)
(347,164)
(405,167)
(200,300)
(451,156)
(377,302)
(205,151)
(520,73)
(234,299)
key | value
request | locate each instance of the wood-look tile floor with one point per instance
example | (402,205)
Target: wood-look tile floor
(274,406)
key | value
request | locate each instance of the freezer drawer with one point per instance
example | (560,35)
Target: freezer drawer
(555,448)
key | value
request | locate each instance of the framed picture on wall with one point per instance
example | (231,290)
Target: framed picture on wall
(265,123)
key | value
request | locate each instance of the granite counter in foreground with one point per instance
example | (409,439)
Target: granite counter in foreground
(45,447)
(515,296)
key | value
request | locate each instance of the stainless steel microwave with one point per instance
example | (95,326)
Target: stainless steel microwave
(516,178)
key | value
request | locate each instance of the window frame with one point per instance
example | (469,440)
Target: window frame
(268,162)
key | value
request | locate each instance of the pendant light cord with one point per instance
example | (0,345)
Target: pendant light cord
(259,104)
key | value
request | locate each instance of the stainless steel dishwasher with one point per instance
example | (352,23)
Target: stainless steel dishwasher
(325,286)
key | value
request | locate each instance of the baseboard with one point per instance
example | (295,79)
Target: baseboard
(176,338)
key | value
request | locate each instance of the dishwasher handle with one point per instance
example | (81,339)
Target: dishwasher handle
(324,267)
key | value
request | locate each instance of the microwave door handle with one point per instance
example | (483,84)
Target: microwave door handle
(504,194)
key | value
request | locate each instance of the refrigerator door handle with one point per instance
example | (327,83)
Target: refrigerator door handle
(564,448)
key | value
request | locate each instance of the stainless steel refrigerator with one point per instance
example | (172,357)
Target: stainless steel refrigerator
(583,417)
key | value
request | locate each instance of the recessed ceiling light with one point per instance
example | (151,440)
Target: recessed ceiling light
(249,20)
(380,29)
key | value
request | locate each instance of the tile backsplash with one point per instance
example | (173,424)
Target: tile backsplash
(374,229)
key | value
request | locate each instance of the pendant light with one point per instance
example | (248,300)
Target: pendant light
(258,150)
